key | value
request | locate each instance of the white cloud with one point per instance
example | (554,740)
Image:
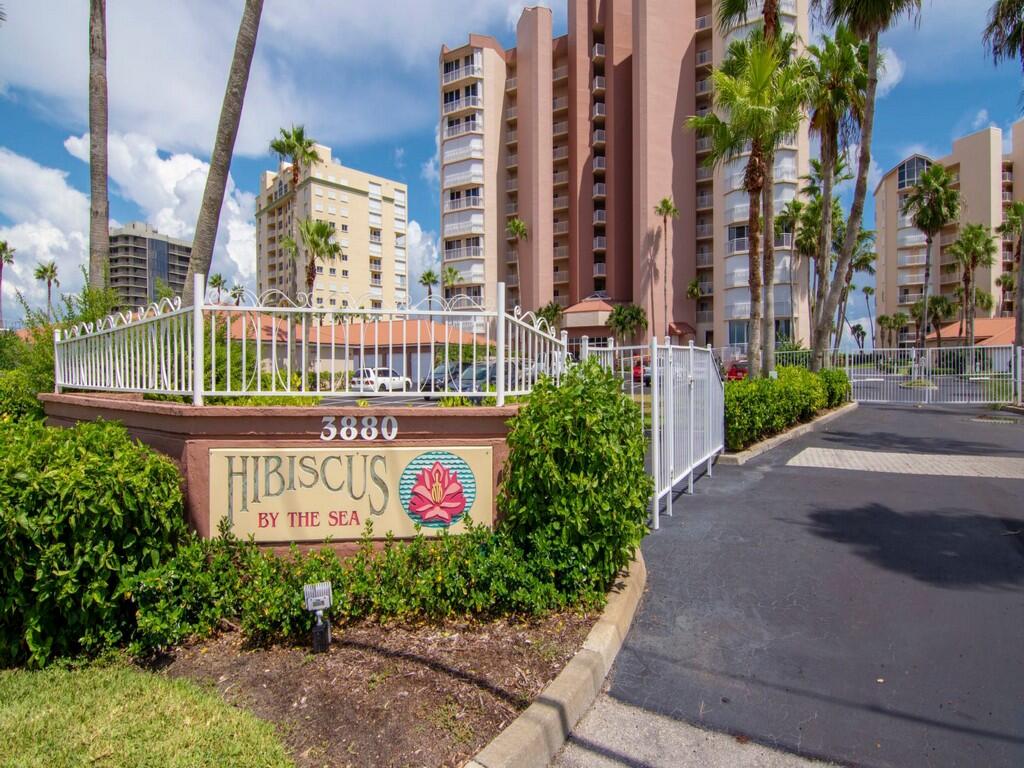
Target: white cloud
(890,73)
(430,171)
(980,120)
(399,157)
(852,162)
(423,255)
(50,221)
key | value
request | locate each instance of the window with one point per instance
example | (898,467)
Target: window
(783,330)
(344,302)
(738,331)
(334,302)
(319,299)
(333,271)
(319,269)
(332,195)
(374,189)
(344,273)
(910,170)
(344,227)
(375,305)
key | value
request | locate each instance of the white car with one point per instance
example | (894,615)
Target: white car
(379,380)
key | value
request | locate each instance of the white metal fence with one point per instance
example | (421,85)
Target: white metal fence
(681,396)
(271,345)
(940,376)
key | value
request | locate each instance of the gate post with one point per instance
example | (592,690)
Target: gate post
(670,423)
(707,409)
(689,397)
(499,378)
(584,348)
(655,447)
(198,299)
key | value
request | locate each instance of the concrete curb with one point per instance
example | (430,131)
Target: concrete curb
(534,738)
(773,442)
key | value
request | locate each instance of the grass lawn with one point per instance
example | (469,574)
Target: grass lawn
(117,716)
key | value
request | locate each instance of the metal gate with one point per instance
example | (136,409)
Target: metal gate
(943,376)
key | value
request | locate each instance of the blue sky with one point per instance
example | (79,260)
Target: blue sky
(360,76)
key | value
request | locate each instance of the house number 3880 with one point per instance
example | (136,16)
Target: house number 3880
(366,428)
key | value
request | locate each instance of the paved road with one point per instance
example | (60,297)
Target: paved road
(865,616)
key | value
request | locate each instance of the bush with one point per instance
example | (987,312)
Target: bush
(18,397)
(81,509)
(758,408)
(575,495)
(837,386)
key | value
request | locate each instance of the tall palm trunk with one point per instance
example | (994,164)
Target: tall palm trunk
(922,331)
(1018,302)
(754,182)
(99,205)
(825,236)
(969,292)
(664,276)
(871,319)
(856,209)
(224,144)
(49,300)
(768,196)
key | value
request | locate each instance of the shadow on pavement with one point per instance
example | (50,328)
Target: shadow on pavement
(895,442)
(947,548)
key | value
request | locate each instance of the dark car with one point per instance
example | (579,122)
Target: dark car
(738,370)
(444,378)
(481,377)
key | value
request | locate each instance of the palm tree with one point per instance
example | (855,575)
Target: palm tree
(733,12)
(47,273)
(627,320)
(428,279)
(223,145)
(693,290)
(237,292)
(837,72)
(899,322)
(99,204)
(867,19)
(974,248)
(761,96)
(218,283)
(940,310)
(1012,228)
(450,277)
(318,241)
(6,257)
(859,334)
(297,148)
(868,292)
(862,263)
(517,231)
(667,210)
(932,203)
(551,313)
(1006,283)
(883,322)
(1004,34)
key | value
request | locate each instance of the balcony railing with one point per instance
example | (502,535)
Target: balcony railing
(705,258)
(562,102)
(739,245)
(1007,196)
(706,289)
(600,163)
(738,311)
(512,161)
(600,217)
(510,84)
(511,136)
(703,22)
(910,260)
(469,126)
(600,110)
(598,83)
(511,279)
(1007,176)
(910,278)
(562,126)
(703,58)
(704,173)
(599,136)
(560,228)
(600,190)
(560,153)
(704,144)
(511,113)
(561,252)
(452,229)
(600,268)
(600,242)
(705,201)
(705,316)
(560,177)
(704,86)
(463,153)
(511,257)
(466,102)
(511,208)
(560,202)
(598,50)
(466,70)
(910,298)
(512,184)
(561,276)
(562,301)
(704,230)
(462,203)
(463,177)
(560,73)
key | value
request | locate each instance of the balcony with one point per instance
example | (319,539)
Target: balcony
(600,268)
(600,242)
(704,173)
(560,252)
(466,102)
(600,111)
(456,228)
(560,73)
(600,163)
(704,86)
(462,203)
(469,126)
(704,230)
(704,144)
(512,184)
(511,113)
(783,240)
(598,84)
(598,51)
(738,311)
(739,245)
(1007,177)
(512,161)
(560,153)
(598,137)
(910,260)
(705,258)
(910,278)
(705,316)
(600,217)
(703,22)
(510,83)
(511,136)
(560,228)
(511,280)
(511,208)
(511,257)
(562,276)
(910,298)
(600,189)
(703,58)
(461,73)
(462,153)
(562,102)
(705,201)
(462,178)
(1007,196)
(706,289)
(560,202)
(562,301)
(560,128)
(560,177)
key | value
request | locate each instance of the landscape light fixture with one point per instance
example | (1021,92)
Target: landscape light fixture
(318,600)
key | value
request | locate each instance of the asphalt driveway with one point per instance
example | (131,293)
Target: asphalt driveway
(864,615)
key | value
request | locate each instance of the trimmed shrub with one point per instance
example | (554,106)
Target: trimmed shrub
(18,397)
(576,493)
(81,509)
(837,386)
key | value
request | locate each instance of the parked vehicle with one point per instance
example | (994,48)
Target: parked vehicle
(642,371)
(380,380)
(738,370)
(483,376)
(444,378)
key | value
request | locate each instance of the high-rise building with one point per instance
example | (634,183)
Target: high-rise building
(369,215)
(984,175)
(580,136)
(142,259)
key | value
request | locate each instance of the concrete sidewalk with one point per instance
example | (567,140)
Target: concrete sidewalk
(613,734)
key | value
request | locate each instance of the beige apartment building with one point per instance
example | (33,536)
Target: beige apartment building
(370,217)
(985,176)
(142,260)
(580,136)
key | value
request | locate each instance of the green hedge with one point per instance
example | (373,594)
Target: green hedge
(18,397)
(81,509)
(758,408)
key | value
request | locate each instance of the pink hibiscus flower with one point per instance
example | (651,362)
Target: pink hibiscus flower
(437,495)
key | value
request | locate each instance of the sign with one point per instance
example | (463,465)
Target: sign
(311,494)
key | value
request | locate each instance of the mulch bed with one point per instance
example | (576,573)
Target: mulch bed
(390,696)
